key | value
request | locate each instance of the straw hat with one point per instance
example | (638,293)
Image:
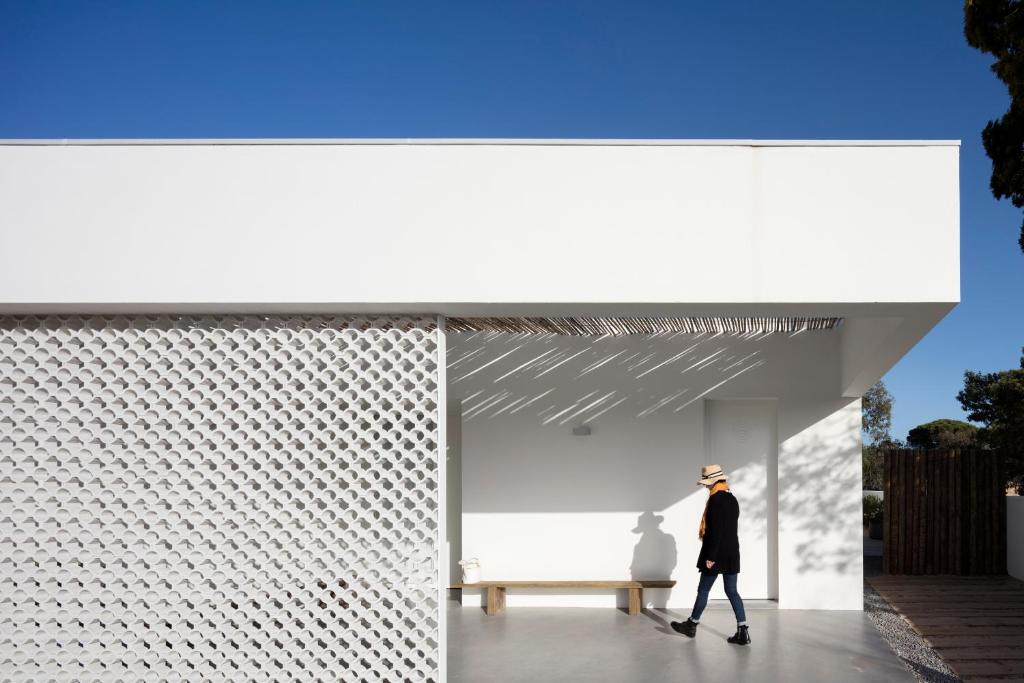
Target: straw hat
(709,474)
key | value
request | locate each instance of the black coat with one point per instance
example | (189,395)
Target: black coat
(721,543)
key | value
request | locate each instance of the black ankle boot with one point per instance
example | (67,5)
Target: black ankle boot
(742,636)
(687,628)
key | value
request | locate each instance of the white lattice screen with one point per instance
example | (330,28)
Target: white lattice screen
(218,498)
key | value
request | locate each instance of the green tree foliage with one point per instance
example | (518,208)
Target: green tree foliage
(944,433)
(876,414)
(996,401)
(997,28)
(873,508)
(876,421)
(872,462)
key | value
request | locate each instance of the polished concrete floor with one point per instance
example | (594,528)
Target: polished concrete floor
(541,644)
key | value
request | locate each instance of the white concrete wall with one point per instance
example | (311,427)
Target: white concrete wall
(1015,536)
(453,490)
(540,503)
(429,226)
(821,563)
(744,433)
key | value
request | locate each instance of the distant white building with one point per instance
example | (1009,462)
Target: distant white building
(229,371)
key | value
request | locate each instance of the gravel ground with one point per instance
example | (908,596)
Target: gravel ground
(905,642)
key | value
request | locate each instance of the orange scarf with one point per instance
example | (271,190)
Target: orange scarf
(718,486)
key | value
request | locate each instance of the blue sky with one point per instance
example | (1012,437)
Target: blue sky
(547,69)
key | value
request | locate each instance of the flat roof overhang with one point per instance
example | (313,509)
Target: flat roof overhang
(864,230)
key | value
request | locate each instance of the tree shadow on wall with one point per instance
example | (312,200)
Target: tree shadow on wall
(825,501)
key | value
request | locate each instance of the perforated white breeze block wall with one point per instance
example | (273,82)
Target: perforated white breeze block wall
(221,498)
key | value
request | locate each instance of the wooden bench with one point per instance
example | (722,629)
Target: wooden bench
(496,590)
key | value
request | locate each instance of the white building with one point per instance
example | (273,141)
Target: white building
(222,403)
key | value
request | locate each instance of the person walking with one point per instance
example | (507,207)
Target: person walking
(719,554)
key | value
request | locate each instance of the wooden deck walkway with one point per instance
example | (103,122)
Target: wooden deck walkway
(976,624)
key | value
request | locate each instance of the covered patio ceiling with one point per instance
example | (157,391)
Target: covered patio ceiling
(619,325)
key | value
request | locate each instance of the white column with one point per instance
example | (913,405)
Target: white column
(821,562)
(442,511)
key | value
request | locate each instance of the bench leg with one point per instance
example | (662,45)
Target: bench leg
(495,599)
(635,601)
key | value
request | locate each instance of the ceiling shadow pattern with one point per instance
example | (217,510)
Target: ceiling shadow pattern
(561,380)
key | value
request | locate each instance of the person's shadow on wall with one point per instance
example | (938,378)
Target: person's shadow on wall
(654,557)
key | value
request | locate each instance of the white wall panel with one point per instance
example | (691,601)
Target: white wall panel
(741,437)
(218,499)
(821,561)
(535,223)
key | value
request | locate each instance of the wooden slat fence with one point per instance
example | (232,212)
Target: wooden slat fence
(945,512)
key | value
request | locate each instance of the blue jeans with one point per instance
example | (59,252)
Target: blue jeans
(707,580)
